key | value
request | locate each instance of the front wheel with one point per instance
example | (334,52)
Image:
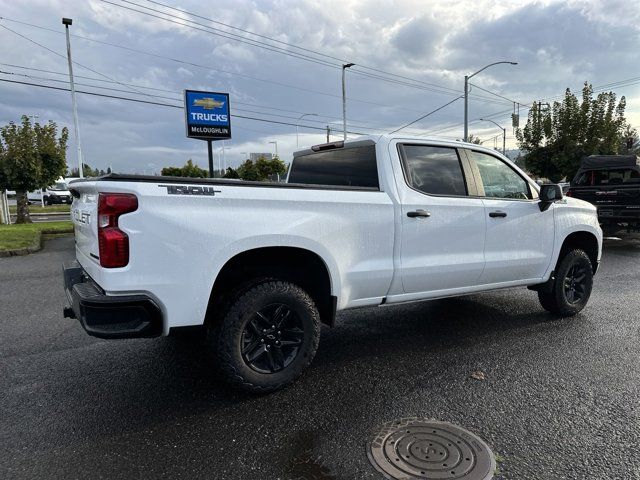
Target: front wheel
(572,286)
(268,336)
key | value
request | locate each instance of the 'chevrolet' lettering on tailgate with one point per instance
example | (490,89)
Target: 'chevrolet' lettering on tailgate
(81,217)
(190,190)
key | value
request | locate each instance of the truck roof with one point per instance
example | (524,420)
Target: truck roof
(607,161)
(370,139)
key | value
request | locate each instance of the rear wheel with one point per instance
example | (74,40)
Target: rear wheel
(572,286)
(268,336)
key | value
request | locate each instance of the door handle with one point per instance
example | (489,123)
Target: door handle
(418,213)
(497,214)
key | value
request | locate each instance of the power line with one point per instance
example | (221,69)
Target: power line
(498,95)
(231,36)
(207,67)
(65,57)
(161,104)
(341,60)
(228,72)
(36,77)
(426,115)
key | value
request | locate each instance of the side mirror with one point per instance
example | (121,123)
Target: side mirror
(549,193)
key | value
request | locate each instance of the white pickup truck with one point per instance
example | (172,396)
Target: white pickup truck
(369,222)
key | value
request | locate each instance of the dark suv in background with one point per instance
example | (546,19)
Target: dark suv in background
(611,183)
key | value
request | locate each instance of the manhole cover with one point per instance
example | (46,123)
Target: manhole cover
(412,448)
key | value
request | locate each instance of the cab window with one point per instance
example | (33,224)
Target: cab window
(433,170)
(499,179)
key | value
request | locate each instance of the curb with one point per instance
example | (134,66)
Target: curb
(45,214)
(35,246)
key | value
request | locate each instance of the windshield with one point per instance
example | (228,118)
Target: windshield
(59,187)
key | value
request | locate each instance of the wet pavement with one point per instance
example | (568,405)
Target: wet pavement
(552,398)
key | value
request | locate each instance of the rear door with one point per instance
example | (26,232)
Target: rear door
(519,238)
(443,228)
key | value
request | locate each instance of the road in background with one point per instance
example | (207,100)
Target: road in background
(559,399)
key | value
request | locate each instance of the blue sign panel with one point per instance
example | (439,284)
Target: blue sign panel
(207,115)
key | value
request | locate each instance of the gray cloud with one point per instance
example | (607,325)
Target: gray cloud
(557,45)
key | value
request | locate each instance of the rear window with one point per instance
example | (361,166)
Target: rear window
(433,170)
(353,167)
(618,176)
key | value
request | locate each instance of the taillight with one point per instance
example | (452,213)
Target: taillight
(568,193)
(113,242)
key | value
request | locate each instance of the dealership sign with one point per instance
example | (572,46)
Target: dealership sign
(207,115)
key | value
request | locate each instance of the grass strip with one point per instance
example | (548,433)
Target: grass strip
(25,238)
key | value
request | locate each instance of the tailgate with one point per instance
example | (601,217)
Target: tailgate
(609,196)
(84,214)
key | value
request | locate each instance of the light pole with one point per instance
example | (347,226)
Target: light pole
(344,100)
(466,95)
(504,134)
(66,22)
(275,142)
(300,118)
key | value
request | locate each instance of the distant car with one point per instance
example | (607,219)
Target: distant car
(612,184)
(58,193)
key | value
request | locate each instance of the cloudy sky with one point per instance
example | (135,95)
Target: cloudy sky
(282,59)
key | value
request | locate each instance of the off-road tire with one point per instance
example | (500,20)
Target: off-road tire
(226,333)
(556,299)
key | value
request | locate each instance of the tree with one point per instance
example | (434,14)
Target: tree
(474,139)
(630,141)
(231,173)
(31,157)
(87,171)
(188,170)
(556,138)
(261,170)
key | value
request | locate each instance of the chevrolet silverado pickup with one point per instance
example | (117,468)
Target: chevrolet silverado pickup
(369,222)
(612,184)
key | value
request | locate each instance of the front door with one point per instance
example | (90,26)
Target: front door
(519,239)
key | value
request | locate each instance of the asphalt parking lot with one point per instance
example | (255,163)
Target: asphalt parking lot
(560,398)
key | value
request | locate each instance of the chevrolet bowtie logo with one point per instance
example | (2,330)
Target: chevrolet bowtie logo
(207,103)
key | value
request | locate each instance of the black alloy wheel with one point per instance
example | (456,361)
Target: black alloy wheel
(271,340)
(575,284)
(266,336)
(571,290)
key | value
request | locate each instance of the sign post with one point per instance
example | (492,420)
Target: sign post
(207,117)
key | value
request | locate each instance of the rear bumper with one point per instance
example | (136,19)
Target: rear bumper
(108,316)
(613,214)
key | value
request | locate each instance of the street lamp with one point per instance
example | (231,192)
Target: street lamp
(504,134)
(344,100)
(275,142)
(67,22)
(466,95)
(300,118)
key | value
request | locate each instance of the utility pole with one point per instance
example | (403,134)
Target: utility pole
(275,142)
(466,95)
(344,100)
(504,134)
(5,215)
(328,133)
(66,22)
